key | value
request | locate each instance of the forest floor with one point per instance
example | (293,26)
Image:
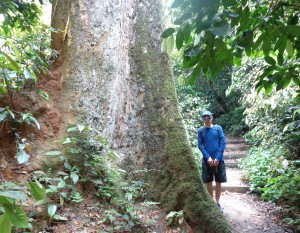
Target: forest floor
(244,212)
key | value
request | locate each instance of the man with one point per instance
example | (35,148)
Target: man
(212,143)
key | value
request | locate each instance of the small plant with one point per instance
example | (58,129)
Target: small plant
(12,214)
(176,217)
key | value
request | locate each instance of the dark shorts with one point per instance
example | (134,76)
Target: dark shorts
(209,174)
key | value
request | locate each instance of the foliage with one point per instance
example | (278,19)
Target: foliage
(191,105)
(20,14)
(271,117)
(273,175)
(11,211)
(174,216)
(86,158)
(24,46)
(24,54)
(216,34)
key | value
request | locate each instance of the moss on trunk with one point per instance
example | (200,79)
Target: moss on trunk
(173,176)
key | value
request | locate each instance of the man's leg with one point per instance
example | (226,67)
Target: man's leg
(218,191)
(210,189)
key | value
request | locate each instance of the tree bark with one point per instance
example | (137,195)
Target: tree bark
(116,79)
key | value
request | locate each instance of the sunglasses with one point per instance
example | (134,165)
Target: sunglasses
(206,118)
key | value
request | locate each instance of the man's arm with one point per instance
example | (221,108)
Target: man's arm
(201,147)
(222,144)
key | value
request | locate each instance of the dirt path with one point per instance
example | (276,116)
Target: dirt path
(245,212)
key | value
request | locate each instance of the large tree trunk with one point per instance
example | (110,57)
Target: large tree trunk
(116,80)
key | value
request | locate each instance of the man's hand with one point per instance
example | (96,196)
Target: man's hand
(210,161)
(216,163)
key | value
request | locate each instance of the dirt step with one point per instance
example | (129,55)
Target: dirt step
(234,140)
(232,163)
(237,147)
(234,182)
(235,154)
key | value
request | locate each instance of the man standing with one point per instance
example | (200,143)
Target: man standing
(212,143)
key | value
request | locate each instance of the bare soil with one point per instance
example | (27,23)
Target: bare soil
(245,212)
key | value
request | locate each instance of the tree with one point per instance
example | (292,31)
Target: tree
(116,79)
(216,34)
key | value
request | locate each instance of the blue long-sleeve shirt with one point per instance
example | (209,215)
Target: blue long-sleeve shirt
(212,143)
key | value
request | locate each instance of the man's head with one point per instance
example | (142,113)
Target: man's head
(207,116)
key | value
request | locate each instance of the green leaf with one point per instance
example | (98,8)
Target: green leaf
(5,224)
(6,200)
(72,129)
(296,81)
(293,30)
(168,32)
(68,166)
(3,116)
(22,157)
(43,94)
(280,59)
(37,190)
(266,47)
(54,153)
(187,32)
(51,210)
(58,217)
(61,184)
(27,73)
(289,48)
(17,216)
(34,121)
(10,113)
(171,214)
(80,127)
(179,39)
(74,177)
(13,194)
(270,60)
(14,64)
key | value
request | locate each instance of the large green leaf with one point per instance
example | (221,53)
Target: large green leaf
(179,39)
(5,224)
(270,60)
(168,32)
(6,200)
(17,216)
(37,190)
